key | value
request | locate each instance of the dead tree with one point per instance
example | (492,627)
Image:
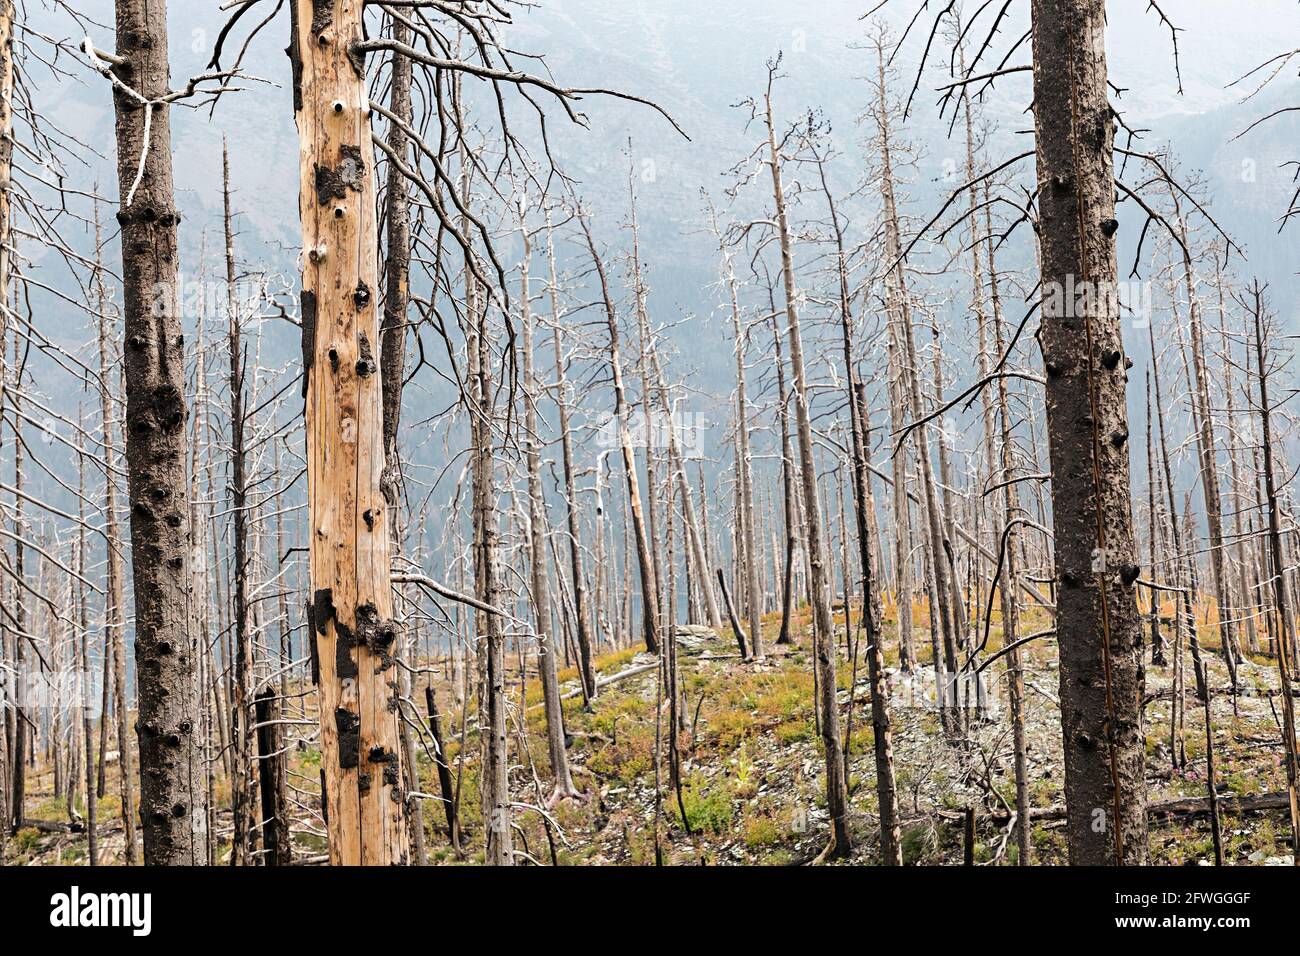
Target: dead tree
(645,563)
(1209,466)
(745,476)
(905,369)
(563,402)
(1254,303)
(392,356)
(351,605)
(172,796)
(823,622)
(1096,567)
(241,785)
(547,647)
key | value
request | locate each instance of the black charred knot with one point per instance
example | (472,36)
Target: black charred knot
(1109,227)
(164,647)
(136,343)
(1085,741)
(363,782)
(322,609)
(159,493)
(1129,573)
(176,564)
(174,521)
(141,425)
(172,740)
(369,518)
(1060,183)
(1111,358)
(1068,578)
(168,406)
(372,630)
(1118,438)
(348,725)
(361,297)
(157,816)
(366,355)
(185,727)
(1053,369)
(334,360)
(179,810)
(142,510)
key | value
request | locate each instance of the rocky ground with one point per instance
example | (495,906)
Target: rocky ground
(751,781)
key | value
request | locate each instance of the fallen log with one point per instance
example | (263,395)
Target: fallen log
(1172,807)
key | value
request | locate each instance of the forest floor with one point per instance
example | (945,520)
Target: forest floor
(752,771)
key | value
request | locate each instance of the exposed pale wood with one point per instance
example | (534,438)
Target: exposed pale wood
(348,515)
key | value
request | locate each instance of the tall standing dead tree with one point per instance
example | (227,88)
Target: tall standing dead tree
(1087,426)
(172,793)
(351,605)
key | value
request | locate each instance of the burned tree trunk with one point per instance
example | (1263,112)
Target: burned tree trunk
(172,793)
(837,796)
(645,563)
(392,361)
(276,841)
(547,646)
(745,476)
(351,603)
(1285,646)
(241,786)
(581,614)
(1097,616)
(788,491)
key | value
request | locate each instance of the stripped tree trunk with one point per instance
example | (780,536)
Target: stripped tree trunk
(1284,649)
(1009,585)
(908,400)
(837,796)
(241,786)
(351,605)
(745,477)
(581,613)
(546,643)
(645,563)
(787,490)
